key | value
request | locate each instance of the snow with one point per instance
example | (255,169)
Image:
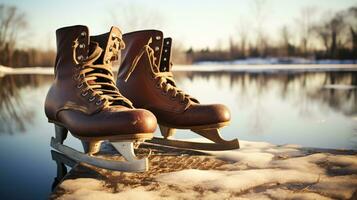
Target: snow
(275,61)
(95,189)
(259,170)
(211,67)
(340,87)
(26,70)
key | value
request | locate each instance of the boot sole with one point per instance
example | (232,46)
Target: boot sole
(200,127)
(114,138)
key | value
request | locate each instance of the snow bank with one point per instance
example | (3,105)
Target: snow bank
(340,87)
(258,170)
(26,70)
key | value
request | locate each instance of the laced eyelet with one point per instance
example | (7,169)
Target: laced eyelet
(157,48)
(158,37)
(81,46)
(80,58)
(85,93)
(80,85)
(98,102)
(91,98)
(173,98)
(164,93)
(158,86)
(77,77)
(182,102)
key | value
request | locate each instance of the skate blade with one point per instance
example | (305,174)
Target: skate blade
(132,165)
(227,145)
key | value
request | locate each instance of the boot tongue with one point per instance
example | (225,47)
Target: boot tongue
(107,42)
(165,62)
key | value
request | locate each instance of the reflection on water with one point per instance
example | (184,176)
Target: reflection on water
(285,107)
(311,109)
(14,112)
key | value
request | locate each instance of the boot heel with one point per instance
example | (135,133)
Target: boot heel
(91,147)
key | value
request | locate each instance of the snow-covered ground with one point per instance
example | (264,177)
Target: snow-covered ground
(274,61)
(212,67)
(258,170)
(25,70)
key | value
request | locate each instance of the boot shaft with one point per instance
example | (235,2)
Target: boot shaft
(83,72)
(146,67)
(72,47)
(134,43)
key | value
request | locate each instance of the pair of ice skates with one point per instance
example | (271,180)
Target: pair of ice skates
(85,99)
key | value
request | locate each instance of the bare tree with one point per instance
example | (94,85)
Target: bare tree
(306,26)
(336,26)
(285,37)
(242,30)
(12,21)
(351,22)
(331,33)
(260,10)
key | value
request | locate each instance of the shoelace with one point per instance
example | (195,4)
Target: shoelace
(165,80)
(99,78)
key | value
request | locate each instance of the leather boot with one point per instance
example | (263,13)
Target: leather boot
(83,97)
(84,100)
(146,79)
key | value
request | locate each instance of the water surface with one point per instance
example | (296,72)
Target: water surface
(312,109)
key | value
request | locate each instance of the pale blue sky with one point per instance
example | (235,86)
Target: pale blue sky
(200,23)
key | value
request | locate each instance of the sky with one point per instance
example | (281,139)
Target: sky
(198,24)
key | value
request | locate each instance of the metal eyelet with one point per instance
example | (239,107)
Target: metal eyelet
(85,93)
(164,93)
(80,58)
(83,33)
(158,37)
(165,59)
(98,102)
(91,98)
(77,77)
(157,48)
(167,42)
(81,46)
(165,50)
(80,85)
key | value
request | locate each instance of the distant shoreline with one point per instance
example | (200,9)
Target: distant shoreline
(213,68)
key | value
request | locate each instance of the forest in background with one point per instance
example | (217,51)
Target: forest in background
(333,36)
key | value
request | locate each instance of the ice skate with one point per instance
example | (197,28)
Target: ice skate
(146,67)
(84,101)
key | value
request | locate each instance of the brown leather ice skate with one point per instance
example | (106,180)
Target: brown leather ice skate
(84,100)
(146,79)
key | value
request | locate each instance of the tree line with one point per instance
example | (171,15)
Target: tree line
(12,29)
(332,37)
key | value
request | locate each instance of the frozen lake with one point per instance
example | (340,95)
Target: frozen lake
(312,108)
